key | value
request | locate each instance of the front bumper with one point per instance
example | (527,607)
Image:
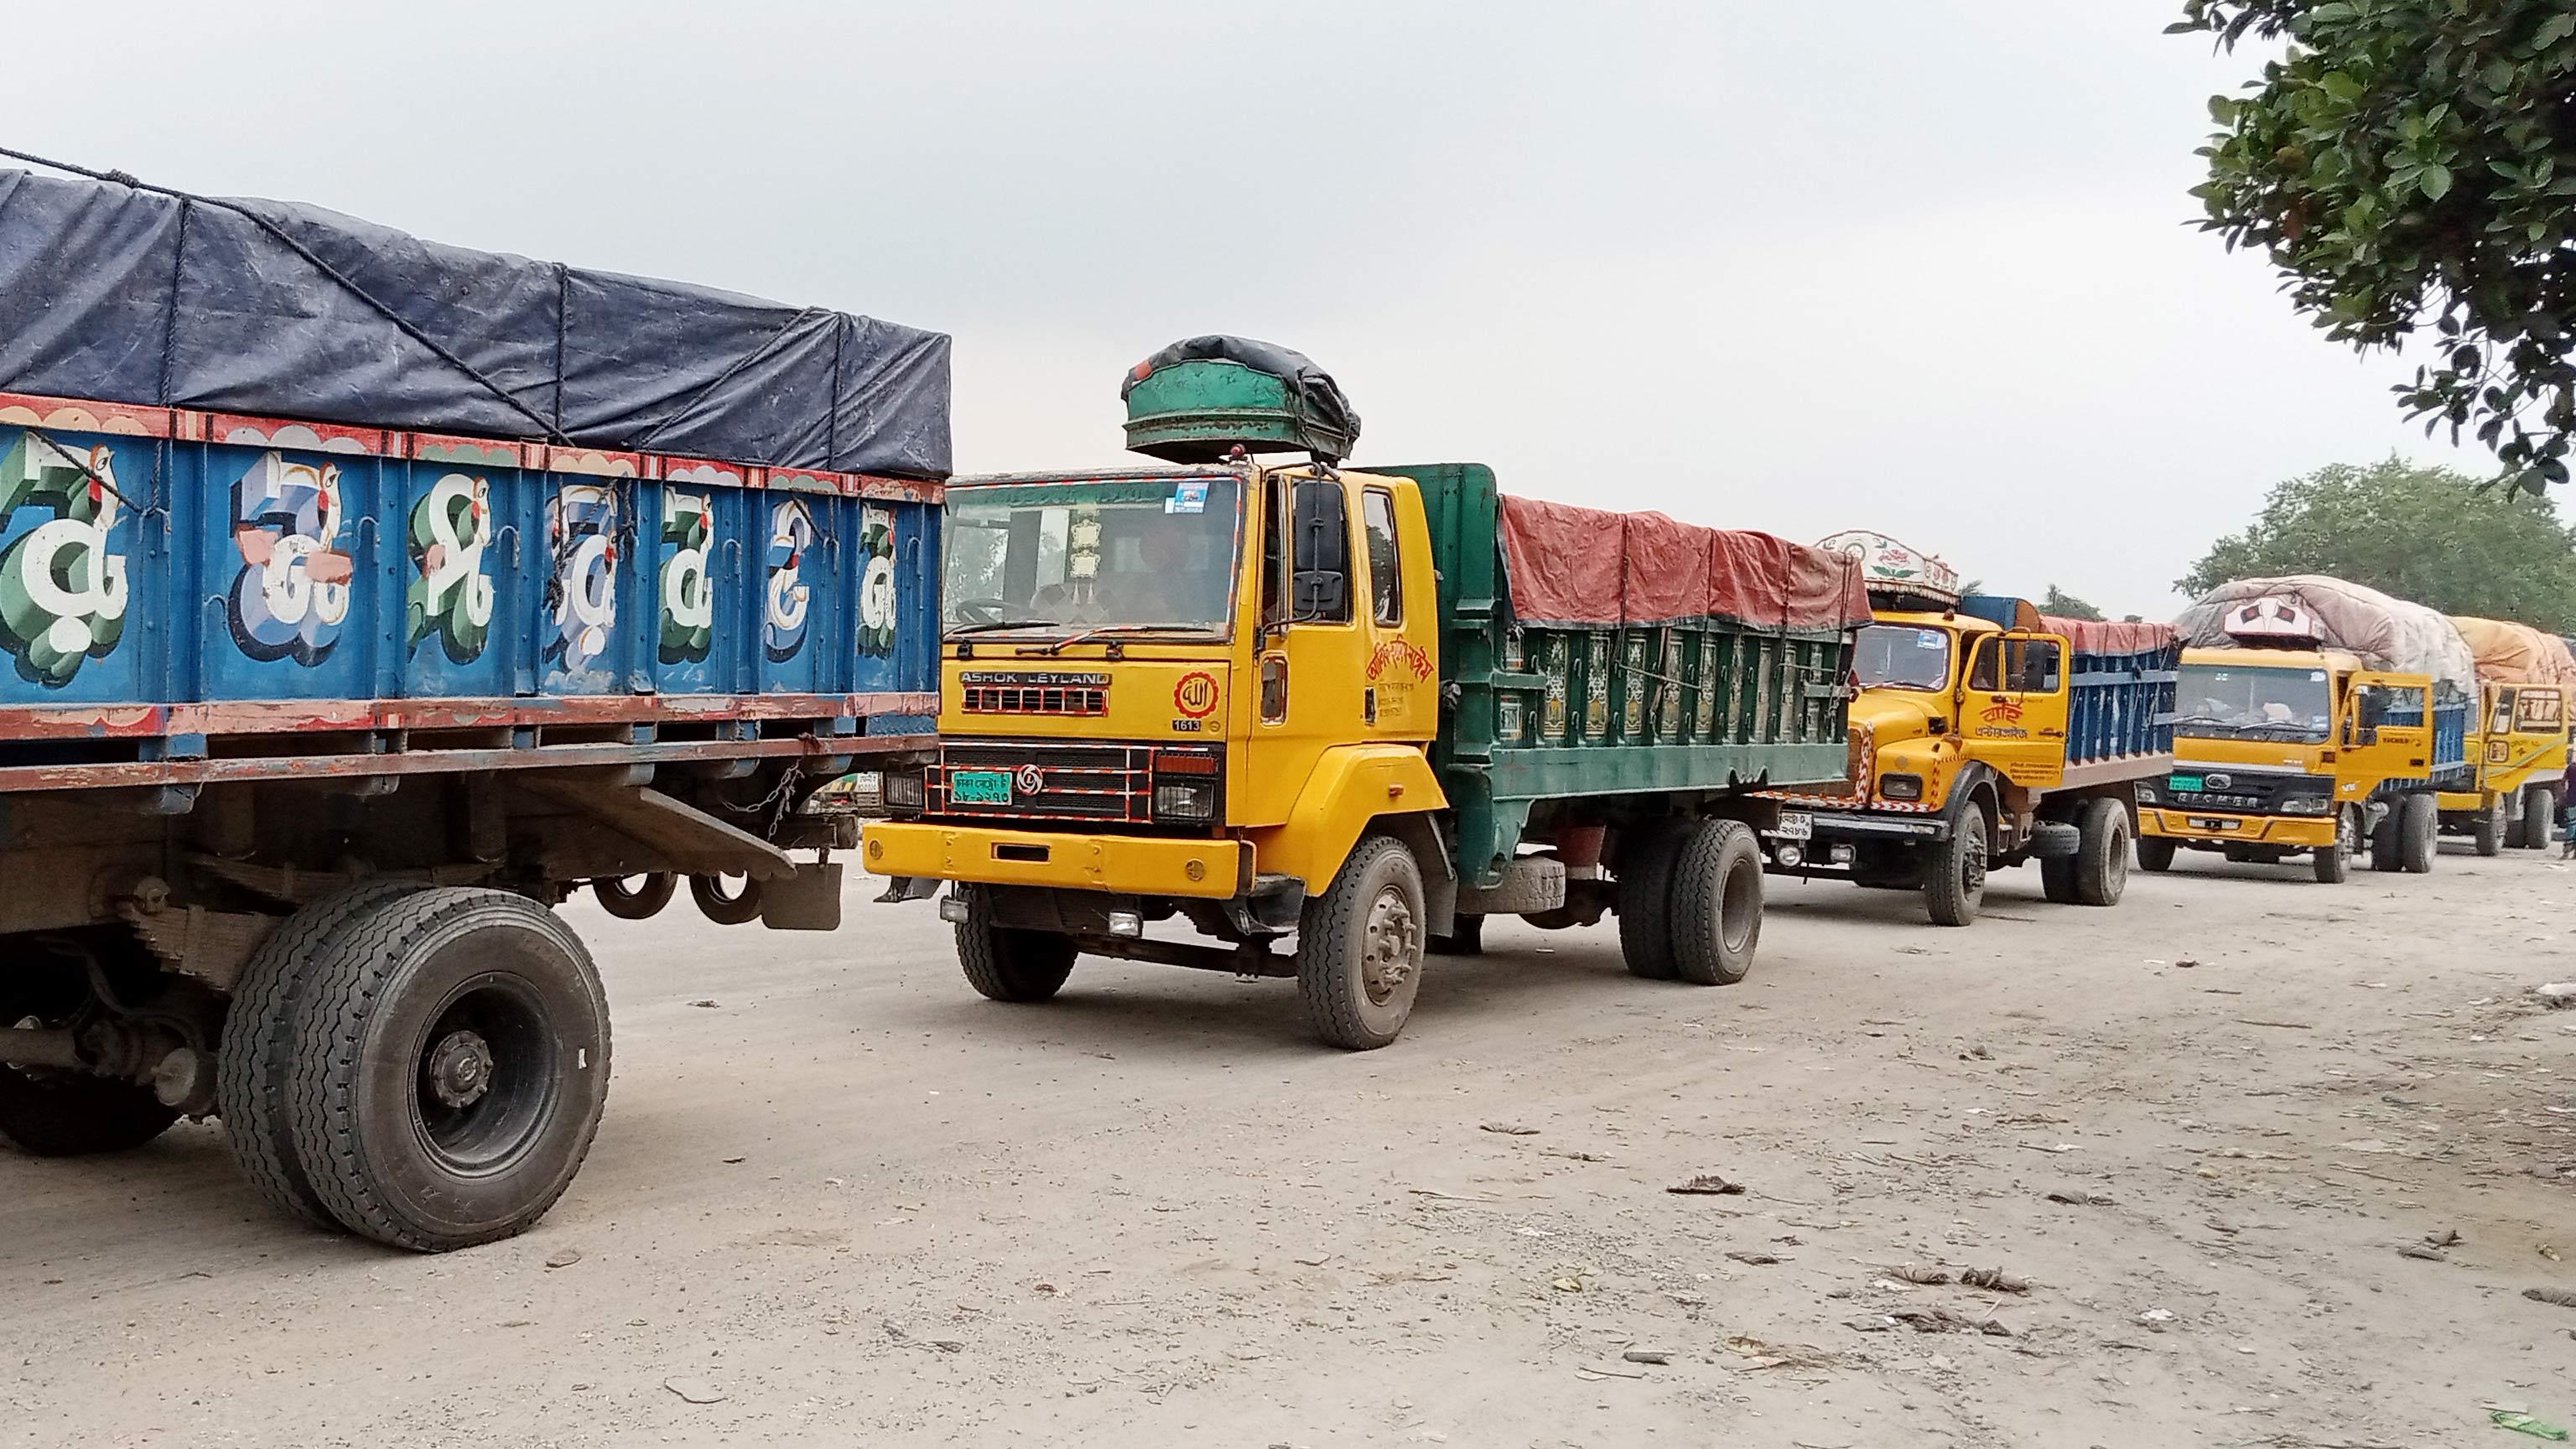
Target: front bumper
(1125,864)
(1879,825)
(2293,832)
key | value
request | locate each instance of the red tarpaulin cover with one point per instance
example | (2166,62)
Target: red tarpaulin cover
(1588,566)
(2097,636)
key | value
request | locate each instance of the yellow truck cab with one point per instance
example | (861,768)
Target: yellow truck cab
(1985,736)
(2518,738)
(2289,751)
(1308,711)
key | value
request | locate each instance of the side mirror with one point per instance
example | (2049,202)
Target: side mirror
(1319,594)
(2370,734)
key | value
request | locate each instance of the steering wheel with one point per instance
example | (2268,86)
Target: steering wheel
(981,611)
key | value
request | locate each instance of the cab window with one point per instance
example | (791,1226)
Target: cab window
(1320,588)
(1386,577)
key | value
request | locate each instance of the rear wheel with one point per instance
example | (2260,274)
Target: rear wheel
(723,903)
(2334,862)
(2385,846)
(2057,879)
(1954,878)
(2102,861)
(1716,910)
(2420,834)
(2155,854)
(2488,829)
(1360,946)
(1645,899)
(635,897)
(450,1069)
(258,1045)
(1004,963)
(2539,816)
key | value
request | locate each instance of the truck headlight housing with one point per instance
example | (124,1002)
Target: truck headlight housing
(904,789)
(2146,794)
(2306,805)
(1901,787)
(1184,800)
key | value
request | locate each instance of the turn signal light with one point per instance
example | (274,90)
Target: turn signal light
(1170,762)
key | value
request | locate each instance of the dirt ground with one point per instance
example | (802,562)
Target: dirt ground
(852,1203)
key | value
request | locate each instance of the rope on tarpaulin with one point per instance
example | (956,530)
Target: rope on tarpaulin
(401,323)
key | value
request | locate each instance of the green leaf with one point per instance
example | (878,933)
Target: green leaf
(2434,181)
(2342,87)
(2328,13)
(2222,109)
(2553,30)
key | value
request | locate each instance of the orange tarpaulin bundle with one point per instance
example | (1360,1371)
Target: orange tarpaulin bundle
(1571,565)
(2509,653)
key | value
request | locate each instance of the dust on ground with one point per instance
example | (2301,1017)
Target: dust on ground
(2217,1131)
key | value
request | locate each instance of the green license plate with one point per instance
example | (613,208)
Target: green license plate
(979,787)
(2189,783)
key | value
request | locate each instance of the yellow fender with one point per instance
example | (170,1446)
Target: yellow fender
(1351,786)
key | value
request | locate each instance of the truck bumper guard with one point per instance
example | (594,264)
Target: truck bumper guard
(1124,864)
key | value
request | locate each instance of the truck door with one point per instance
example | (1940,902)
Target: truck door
(2012,706)
(1400,684)
(1311,692)
(2387,728)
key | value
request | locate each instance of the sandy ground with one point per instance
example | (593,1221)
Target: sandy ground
(866,1207)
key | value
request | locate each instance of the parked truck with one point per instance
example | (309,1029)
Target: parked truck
(2316,715)
(1330,718)
(2526,686)
(352,622)
(1986,735)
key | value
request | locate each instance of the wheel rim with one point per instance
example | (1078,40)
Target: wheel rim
(483,1082)
(1739,906)
(1389,947)
(723,887)
(2347,834)
(1972,863)
(2118,872)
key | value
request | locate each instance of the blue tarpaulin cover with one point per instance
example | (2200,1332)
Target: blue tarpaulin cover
(124,295)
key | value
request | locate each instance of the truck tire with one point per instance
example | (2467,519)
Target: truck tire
(726,908)
(259,1042)
(2385,846)
(2419,835)
(1360,946)
(2486,832)
(635,897)
(1005,963)
(2057,879)
(2102,861)
(2539,817)
(2155,854)
(1644,899)
(2333,863)
(1466,937)
(451,1065)
(1954,876)
(1716,909)
(48,1113)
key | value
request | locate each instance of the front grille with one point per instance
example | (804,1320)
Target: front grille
(1075,782)
(1034,691)
(1036,699)
(2244,792)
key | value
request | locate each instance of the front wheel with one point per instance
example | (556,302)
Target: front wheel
(2419,834)
(1954,884)
(1003,963)
(450,1069)
(1716,910)
(2334,862)
(1360,947)
(2155,854)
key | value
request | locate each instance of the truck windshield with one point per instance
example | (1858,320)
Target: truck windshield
(1899,656)
(1098,555)
(2268,702)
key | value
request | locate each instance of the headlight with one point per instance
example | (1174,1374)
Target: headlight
(1184,799)
(2306,805)
(2146,794)
(903,789)
(1901,787)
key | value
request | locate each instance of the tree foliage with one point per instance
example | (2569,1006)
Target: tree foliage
(2059,604)
(2411,164)
(2412,532)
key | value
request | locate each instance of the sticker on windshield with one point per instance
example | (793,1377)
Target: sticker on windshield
(1928,638)
(1187,498)
(2316,676)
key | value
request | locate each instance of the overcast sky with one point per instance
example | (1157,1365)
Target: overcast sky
(1906,264)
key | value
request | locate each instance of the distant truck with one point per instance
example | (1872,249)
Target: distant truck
(335,661)
(1333,718)
(1986,735)
(2316,716)
(2519,738)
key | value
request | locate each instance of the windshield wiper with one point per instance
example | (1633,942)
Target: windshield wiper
(1096,630)
(990,625)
